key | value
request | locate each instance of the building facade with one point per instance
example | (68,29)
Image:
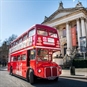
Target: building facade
(71,24)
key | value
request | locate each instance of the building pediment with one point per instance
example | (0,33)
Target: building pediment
(61,13)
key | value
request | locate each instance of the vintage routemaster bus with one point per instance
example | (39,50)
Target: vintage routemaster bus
(30,55)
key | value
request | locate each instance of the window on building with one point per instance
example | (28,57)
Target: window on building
(76,29)
(64,32)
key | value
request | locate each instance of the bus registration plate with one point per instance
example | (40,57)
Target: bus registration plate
(51,40)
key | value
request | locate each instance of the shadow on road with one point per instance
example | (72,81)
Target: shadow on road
(61,83)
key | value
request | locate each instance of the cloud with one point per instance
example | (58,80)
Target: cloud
(73,0)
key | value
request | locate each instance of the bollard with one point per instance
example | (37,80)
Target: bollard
(72,70)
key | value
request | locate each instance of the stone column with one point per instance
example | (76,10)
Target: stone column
(78,33)
(68,36)
(59,30)
(83,27)
(61,37)
(86,27)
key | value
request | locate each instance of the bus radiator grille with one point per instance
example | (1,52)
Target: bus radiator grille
(48,72)
(51,71)
(54,71)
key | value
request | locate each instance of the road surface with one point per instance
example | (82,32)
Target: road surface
(7,80)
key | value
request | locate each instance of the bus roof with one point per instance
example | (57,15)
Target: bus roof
(37,25)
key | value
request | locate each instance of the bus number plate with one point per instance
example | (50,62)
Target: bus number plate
(51,40)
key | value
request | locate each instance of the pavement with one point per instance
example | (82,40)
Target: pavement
(80,73)
(3,68)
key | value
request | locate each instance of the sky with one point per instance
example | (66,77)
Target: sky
(17,16)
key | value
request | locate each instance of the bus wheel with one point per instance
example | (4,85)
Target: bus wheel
(31,76)
(11,71)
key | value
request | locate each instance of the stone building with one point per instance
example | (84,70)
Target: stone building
(71,24)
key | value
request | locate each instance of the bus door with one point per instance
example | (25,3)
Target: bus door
(28,59)
(31,54)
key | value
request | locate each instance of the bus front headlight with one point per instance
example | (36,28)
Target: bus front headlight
(39,70)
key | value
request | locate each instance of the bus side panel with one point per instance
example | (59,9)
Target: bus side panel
(8,66)
(33,65)
(14,67)
(24,69)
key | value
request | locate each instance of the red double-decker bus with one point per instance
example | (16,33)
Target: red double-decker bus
(30,55)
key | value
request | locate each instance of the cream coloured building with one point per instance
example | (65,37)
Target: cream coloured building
(65,20)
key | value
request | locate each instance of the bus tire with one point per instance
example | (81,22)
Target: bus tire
(11,71)
(31,76)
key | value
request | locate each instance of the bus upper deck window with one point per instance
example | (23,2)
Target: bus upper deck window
(31,32)
(42,32)
(24,37)
(51,34)
(20,40)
